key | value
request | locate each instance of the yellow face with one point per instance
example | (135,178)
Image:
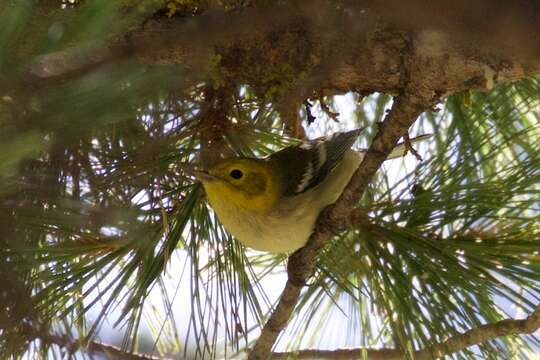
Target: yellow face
(247,183)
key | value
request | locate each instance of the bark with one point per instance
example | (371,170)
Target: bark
(405,110)
(472,337)
(73,345)
(302,49)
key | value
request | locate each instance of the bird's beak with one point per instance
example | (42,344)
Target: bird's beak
(201,175)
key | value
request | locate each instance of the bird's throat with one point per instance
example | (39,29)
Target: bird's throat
(224,197)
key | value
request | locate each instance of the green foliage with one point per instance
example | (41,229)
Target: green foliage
(452,244)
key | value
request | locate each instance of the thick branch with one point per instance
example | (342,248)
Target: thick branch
(301,48)
(454,344)
(73,345)
(482,334)
(301,264)
(341,354)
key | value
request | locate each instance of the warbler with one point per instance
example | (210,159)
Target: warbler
(271,204)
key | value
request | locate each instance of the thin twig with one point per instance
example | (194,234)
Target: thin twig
(301,264)
(456,343)
(326,109)
(409,147)
(345,354)
(482,334)
(309,115)
(73,345)
(290,113)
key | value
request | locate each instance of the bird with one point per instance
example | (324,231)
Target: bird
(272,204)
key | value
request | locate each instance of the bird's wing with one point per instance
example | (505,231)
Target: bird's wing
(307,165)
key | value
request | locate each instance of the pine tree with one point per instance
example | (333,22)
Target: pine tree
(103,103)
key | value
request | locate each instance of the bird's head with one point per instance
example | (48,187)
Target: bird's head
(248,183)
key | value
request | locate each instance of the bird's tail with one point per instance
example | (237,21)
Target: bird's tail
(400,148)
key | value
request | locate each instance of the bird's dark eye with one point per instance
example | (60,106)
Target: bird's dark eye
(236,174)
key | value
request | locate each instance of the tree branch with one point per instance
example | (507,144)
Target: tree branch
(307,47)
(482,334)
(454,344)
(345,354)
(301,264)
(73,345)
(313,47)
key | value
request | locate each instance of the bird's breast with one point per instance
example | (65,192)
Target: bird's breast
(274,231)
